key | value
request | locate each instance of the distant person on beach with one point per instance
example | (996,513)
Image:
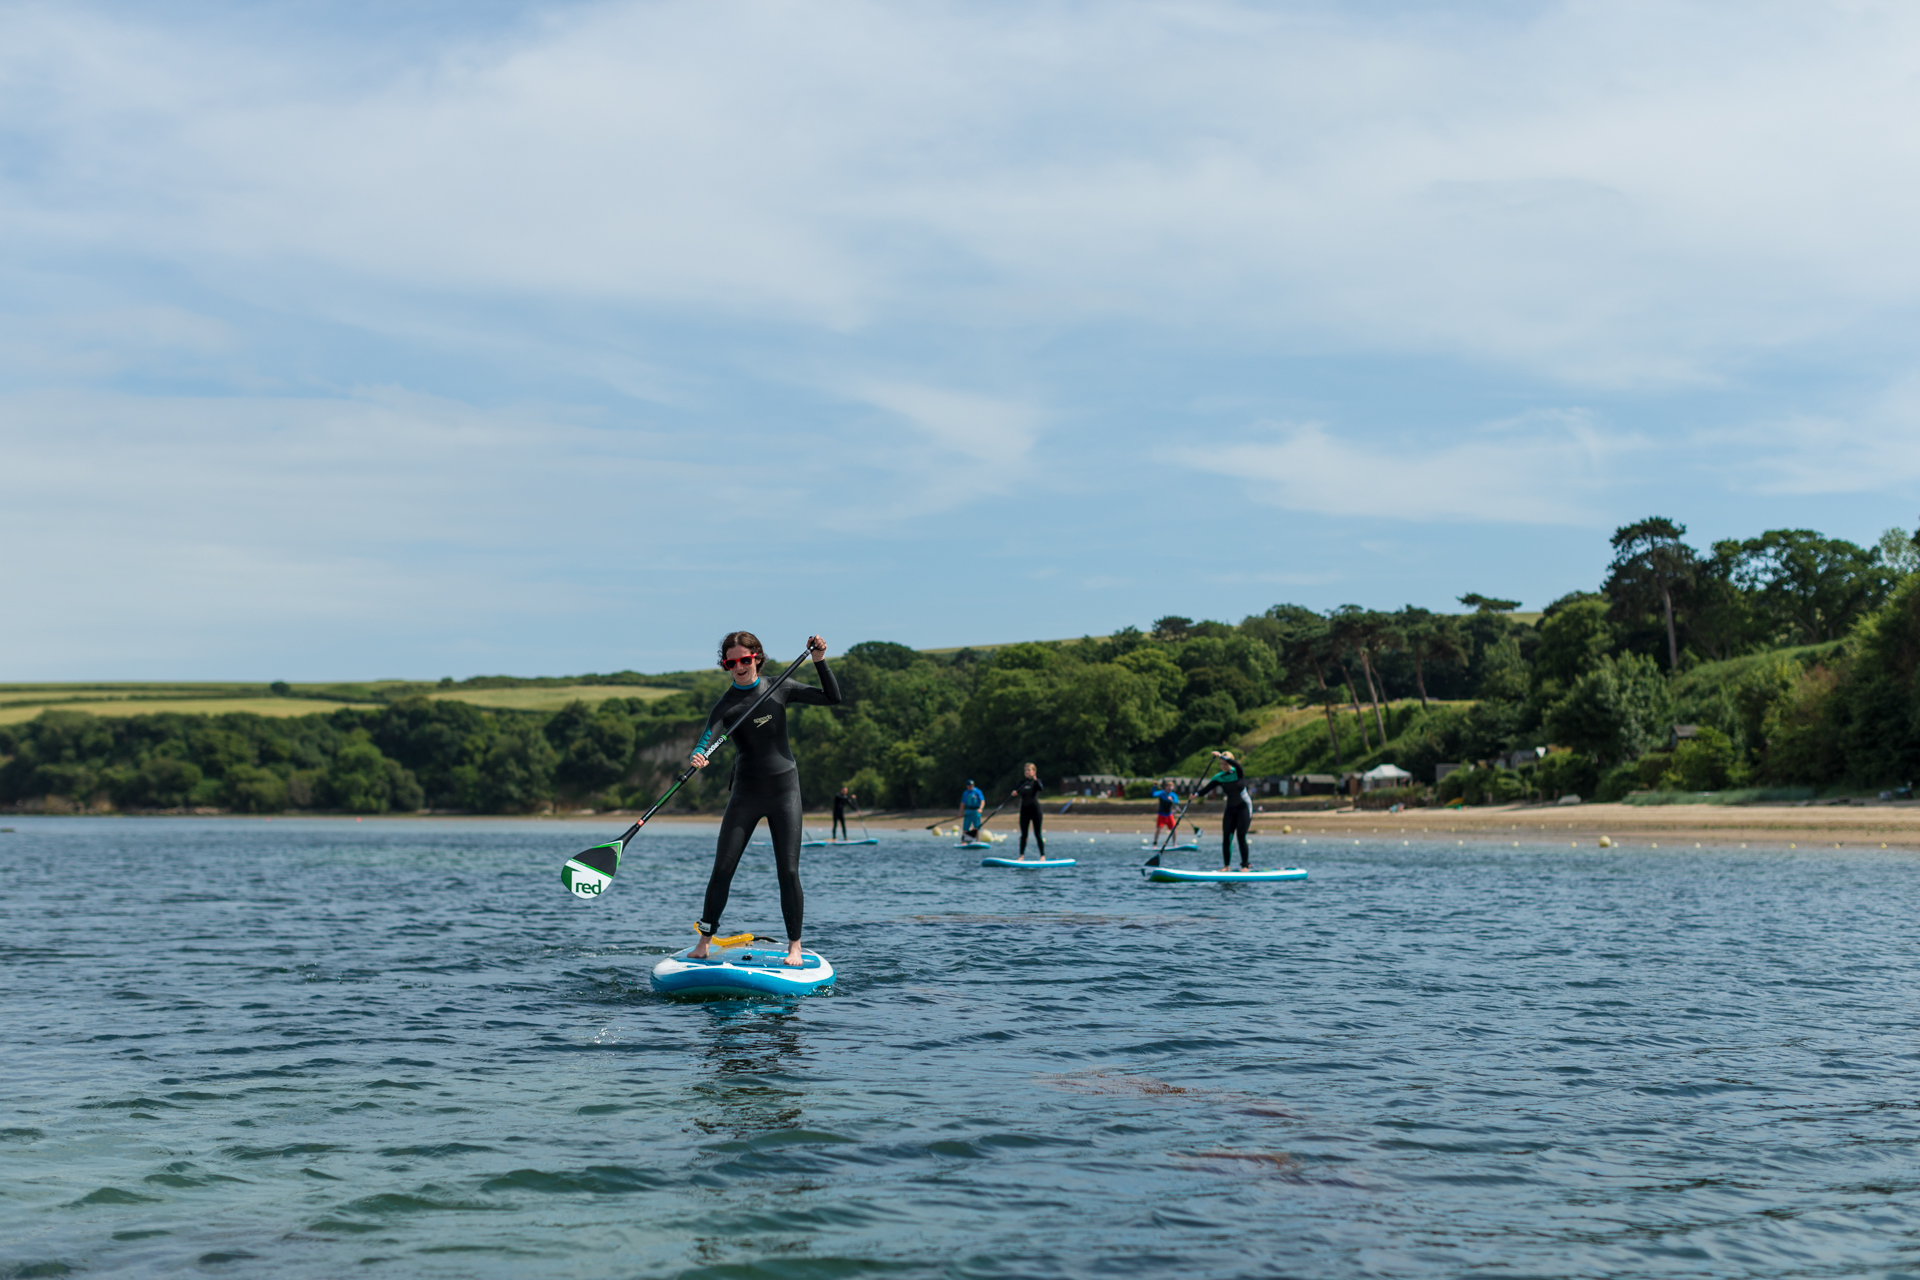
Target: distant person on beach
(1028,790)
(972,801)
(840,803)
(766,781)
(1168,798)
(1238,819)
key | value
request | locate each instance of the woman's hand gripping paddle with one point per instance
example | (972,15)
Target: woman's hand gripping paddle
(589,872)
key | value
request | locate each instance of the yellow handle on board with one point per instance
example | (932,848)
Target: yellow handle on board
(731,940)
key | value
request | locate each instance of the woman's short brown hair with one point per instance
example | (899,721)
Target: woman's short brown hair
(741,640)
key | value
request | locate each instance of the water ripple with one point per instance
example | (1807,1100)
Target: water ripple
(315,1048)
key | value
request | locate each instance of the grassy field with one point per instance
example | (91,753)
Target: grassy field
(21,702)
(548,698)
(17,711)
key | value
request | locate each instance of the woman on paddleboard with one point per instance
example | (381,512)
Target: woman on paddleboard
(1238,818)
(1028,790)
(766,781)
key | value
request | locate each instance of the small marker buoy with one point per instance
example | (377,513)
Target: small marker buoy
(1654,846)
(1606,842)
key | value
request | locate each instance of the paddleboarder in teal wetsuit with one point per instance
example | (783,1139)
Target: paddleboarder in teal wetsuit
(1238,818)
(1028,789)
(766,781)
(972,801)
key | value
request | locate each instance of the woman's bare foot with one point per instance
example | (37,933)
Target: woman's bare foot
(793,954)
(699,952)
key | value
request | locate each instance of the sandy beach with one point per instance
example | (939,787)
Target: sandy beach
(1856,825)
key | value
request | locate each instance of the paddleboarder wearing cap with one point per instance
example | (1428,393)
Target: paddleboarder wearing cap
(972,801)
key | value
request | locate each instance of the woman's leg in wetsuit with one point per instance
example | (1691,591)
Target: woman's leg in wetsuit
(1039,837)
(736,828)
(1026,821)
(783,825)
(1239,821)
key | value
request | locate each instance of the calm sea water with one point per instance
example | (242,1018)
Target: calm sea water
(322,1048)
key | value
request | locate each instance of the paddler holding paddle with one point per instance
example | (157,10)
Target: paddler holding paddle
(1028,790)
(766,781)
(972,801)
(1238,818)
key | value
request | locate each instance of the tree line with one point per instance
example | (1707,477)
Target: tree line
(1793,652)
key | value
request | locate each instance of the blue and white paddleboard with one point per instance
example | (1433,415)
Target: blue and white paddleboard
(1193,847)
(741,971)
(974,844)
(1175,875)
(836,844)
(1028,862)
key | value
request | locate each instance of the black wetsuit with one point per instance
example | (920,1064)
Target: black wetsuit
(766,784)
(1028,789)
(1238,818)
(840,804)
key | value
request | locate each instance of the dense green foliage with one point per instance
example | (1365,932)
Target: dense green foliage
(1795,656)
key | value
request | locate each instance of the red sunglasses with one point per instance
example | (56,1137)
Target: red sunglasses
(729,664)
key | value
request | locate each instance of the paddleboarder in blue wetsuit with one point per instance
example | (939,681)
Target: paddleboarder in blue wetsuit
(1028,790)
(972,801)
(1238,818)
(766,781)
(1169,798)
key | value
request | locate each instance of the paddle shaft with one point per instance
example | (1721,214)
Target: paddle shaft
(1174,834)
(715,745)
(989,818)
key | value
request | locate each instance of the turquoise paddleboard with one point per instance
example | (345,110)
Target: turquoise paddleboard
(836,844)
(1175,875)
(741,971)
(1028,862)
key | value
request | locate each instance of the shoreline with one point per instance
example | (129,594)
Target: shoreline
(1872,826)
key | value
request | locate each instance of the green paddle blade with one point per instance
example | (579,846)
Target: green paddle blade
(589,872)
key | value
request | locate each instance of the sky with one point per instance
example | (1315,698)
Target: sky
(355,341)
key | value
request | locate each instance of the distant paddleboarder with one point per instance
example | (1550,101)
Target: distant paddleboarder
(1238,819)
(972,801)
(1028,790)
(766,781)
(1169,798)
(840,803)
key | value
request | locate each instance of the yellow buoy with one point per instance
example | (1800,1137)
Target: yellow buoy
(1606,842)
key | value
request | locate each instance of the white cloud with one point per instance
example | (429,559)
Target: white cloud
(1542,469)
(1872,451)
(1631,193)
